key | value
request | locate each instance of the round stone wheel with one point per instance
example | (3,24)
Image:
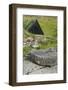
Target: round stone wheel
(44,57)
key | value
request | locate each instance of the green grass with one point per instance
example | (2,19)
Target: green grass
(48,25)
(26,50)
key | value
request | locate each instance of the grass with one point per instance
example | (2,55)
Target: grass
(48,25)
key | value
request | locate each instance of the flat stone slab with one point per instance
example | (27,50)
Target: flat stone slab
(30,68)
(45,70)
(44,57)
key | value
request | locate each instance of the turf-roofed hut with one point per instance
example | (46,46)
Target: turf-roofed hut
(35,29)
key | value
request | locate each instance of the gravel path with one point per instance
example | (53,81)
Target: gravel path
(32,68)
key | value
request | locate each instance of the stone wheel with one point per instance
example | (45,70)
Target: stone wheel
(44,57)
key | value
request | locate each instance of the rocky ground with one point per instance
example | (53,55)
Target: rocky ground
(32,68)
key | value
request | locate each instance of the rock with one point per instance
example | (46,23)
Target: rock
(44,57)
(30,68)
(45,70)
